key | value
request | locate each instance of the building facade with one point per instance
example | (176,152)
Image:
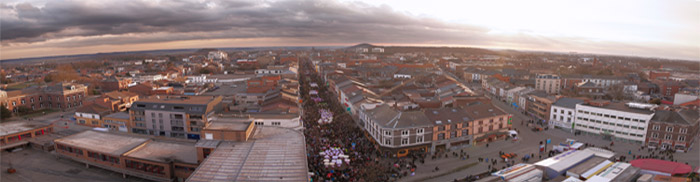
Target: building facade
(622,122)
(673,129)
(57,96)
(549,83)
(173,116)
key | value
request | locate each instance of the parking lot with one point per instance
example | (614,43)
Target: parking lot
(36,165)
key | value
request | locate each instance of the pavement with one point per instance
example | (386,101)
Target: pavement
(37,165)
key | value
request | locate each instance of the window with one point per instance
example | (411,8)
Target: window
(441,136)
(276,123)
(681,138)
(667,137)
(555,110)
(419,131)
(387,132)
(669,129)
(31,100)
(605,115)
(419,139)
(259,123)
(683,130)
(465,132)
(387,142)
(14,103)
(404,133)
(656,127)
(23,101)
(404,141)
(453,134)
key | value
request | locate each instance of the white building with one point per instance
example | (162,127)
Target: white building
(681,98)
(625,122)
(563,113)
(217,55)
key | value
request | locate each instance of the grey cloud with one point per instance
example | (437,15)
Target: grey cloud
(313,19)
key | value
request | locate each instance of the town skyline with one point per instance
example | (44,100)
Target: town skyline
(36,28)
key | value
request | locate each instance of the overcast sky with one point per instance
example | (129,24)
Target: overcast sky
(663,28)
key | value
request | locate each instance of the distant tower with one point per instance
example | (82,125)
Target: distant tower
(595,61)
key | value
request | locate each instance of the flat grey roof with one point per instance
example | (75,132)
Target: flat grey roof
(164,152)
(224,125)
(12,127)
(587,165)
(622,107)
(273,154)
(120,115)
(103,142)
(567,102)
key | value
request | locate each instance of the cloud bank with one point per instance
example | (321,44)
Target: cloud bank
(71,26)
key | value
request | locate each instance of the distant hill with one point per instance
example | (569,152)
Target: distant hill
(362,45)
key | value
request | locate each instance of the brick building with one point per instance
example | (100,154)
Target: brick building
(56,96)
(673,129)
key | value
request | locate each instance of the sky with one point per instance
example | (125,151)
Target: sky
(648,28)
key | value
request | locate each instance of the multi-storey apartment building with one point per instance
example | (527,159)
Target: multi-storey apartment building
(550,83)
(624,122)
(173,116)
(673,129)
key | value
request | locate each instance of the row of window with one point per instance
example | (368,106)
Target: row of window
(612,116)
(14,103)
(609,130)
(611,123)
(670,129)
(681,138)
(404,141)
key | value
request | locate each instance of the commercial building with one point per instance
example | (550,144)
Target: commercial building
(549,83)
(673,129)
(563,113)
(118,121)
(91,115)
(18,133)
(272,154)
(140,156)
(173,116)
(434,128)
(625,122)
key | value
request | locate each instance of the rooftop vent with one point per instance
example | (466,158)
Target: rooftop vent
(438,122)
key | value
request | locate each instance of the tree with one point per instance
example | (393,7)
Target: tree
(616,92)
(24,110)
(204,71)
(65,73)
(4,112)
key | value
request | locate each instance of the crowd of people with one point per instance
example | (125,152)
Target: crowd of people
(341,133)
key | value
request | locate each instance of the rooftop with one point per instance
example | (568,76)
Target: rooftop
(228,125)
(7,128)
(163,152)
(103,142)
(684,117)
(622,107)
(118,115)
(273,154)
(567,102)
(197,100)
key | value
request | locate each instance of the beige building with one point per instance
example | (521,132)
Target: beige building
(550,83)
(173,116)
